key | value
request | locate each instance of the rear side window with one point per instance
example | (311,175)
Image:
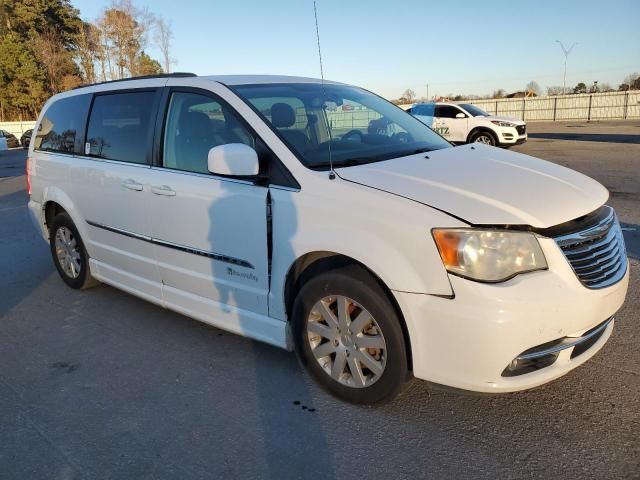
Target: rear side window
(426,110)
(121,126)
(62,125)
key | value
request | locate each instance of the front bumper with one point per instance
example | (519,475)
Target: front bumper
(469,341)
(510,136)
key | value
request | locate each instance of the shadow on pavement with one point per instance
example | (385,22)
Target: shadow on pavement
(589,137)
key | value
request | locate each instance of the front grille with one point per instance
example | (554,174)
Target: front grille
(522,129)
(597,254)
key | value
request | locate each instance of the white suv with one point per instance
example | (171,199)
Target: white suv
(466,123)
(322,218)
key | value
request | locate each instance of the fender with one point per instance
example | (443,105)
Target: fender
(480,129)
(54,194)
(392,241)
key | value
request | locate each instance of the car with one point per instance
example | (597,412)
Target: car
(318,217)
(467,123)
(25,139)
(10,138)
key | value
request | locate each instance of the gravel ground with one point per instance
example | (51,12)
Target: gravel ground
(99,384)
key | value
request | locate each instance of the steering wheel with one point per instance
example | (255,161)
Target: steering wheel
(352,133)
(402,137)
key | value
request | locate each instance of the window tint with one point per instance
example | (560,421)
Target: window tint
(62,126)
(447,111)
(120,126)
(426,110)
(195,124)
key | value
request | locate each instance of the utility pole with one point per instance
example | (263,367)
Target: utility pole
(566,56)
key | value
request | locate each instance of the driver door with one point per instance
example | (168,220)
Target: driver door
(451,123)
(210,232)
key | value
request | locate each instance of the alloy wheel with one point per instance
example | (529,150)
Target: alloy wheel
(68,252)
(483,139)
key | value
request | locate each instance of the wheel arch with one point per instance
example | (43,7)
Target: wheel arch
(314,263)
(55,201)
(482,129)
(51,209)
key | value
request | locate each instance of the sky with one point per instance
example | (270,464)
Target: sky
(466,47)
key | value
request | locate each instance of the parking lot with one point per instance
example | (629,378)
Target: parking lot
(100,384)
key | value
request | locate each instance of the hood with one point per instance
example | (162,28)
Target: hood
(517,121)
(486,185)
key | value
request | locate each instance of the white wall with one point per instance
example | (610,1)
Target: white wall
(17,128)
(586,106)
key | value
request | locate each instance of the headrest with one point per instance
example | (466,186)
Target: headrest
(282,115)
(195,125)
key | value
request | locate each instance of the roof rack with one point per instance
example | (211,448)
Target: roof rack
(141,77)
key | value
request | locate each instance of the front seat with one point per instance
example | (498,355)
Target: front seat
(282,117)
(194,142)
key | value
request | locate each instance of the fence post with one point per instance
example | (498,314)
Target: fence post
(589,110)
(524,103)
(555,107)
(626,104)
(496,107)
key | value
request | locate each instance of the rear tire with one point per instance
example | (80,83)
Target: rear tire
(349,337)
(69,254)
(485,137)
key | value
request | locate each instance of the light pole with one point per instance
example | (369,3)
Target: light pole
(427,85)
(566,55)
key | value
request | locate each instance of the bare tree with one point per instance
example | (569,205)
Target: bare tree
(124,32)
(51,52)
(500,93)
(162,37)
(409,95)
(631,79)
(89,51)
(533,89)
(605,87)
(551,91)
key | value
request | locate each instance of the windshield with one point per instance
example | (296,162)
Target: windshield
(351,124)
(473,110)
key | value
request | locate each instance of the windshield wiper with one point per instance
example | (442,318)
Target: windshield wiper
(416,151)
(351,162)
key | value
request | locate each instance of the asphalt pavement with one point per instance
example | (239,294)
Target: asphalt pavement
(100,384)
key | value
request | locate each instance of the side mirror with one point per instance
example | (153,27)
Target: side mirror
(460,115)
(233,159)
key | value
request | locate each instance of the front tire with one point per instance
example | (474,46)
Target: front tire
(485,137)
(349,337)
(69,254)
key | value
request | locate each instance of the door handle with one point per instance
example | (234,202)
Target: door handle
(163,190)
(132,185)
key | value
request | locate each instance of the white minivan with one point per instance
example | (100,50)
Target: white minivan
(319,217)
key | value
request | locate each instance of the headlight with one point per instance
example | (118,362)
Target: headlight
(503,124)
(488,255)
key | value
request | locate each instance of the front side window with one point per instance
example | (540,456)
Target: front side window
(350,124)
(121,126)
(196,123)
(62,125)
(447,111)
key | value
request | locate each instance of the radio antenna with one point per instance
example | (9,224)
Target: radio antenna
(332,174)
